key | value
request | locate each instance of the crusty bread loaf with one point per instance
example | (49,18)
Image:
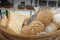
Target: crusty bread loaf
(37,26)
(15,22)
(44,16)
(34,28)
(26,30)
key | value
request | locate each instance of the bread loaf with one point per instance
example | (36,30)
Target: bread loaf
(44,16)
(34,28)
(15,22)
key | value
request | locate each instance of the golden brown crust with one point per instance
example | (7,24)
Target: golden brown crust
(44,16)
(37,25)
(34,28)
(26,30)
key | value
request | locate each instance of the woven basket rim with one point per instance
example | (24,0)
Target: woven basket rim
(28,36)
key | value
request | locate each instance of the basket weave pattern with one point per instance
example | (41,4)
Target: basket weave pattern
(9,37)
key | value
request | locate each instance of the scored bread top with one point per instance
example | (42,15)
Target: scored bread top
(44,16)
(15,21)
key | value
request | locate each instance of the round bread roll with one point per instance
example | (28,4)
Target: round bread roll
(51,28)
(44,16)
(37,26)
(26,30)
(34,28)
(56,20)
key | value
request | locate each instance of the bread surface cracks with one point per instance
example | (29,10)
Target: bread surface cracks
(15,21)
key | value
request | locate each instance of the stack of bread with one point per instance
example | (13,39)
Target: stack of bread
(14,21)
(39,23)
(44,22)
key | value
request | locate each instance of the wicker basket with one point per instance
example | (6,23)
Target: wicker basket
(11,36)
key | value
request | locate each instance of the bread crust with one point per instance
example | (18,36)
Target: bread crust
(34,28)
(44,16)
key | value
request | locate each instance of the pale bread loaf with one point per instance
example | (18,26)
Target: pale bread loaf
(15,22)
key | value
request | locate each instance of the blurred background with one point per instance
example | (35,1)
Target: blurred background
(27,6)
